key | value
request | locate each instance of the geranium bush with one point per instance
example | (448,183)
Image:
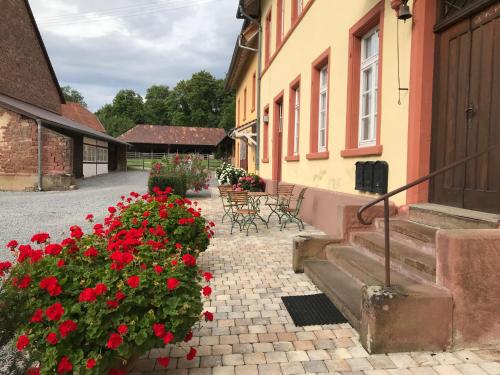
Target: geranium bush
(228,174)
(131,285)
(252,182)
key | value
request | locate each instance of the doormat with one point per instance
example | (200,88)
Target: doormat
(311,310)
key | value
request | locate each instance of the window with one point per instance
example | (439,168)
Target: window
(265,151)
(319,107)
(368,89)
(280,24)
(299,7)
(323,110)
(294,120)
(363,91)
(254,84)
(267,51)
(245,104)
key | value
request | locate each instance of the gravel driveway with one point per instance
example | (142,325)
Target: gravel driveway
(25,213)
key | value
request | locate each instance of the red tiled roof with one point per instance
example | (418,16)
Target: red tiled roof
(180,135)
(82,115)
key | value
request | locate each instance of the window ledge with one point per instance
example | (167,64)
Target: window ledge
(265,160)
(318,155)
(292,158)
(362,151)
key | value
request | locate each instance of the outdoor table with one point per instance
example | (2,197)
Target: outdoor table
(254,201)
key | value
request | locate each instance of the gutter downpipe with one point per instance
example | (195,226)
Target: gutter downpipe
(259,74)
(40,173)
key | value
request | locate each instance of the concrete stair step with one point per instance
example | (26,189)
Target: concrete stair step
(413,231)
(406,258)
(446,217)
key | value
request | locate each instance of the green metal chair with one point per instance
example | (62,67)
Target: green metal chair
(242,213)
(291,214)
(226,205)
(281,199)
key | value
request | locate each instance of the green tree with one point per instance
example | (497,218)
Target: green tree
(156,109)
(228,113)
(114,123)
(129,104)
(73,95)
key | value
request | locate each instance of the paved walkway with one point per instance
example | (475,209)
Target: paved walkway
(252,332)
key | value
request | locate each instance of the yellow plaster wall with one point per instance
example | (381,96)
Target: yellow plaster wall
(246,82)
(327,24)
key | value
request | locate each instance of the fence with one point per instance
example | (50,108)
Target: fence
(144,160)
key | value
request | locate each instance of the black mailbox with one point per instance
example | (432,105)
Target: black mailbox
(359,175)
(368,176)
(380,177)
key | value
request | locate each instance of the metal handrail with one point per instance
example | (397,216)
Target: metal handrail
(385,199)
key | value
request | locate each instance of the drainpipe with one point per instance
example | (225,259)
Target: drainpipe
(40,173)
(259,73)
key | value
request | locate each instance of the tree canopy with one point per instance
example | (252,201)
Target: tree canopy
(199,101)
(73,95)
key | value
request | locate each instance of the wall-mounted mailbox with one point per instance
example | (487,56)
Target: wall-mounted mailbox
(372,176)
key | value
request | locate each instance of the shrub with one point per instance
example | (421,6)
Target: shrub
(252,182)
(131,285)
(177,183)
(228,174)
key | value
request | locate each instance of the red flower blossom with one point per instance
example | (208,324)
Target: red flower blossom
(122,329)
(120,295)
(208,316)
(159,329)
(158,269)
(40,237)
(178,246)
(172,283)
(51,285)
(60,263)
(33,371)
(112,304)
(91,252)
(87,295)
(54,312)
(206,291)
(208,276)
(12,244)
(65,328)
(133,281)
(164,361)
(192,353)
(143,266)
(111,210)
(173,263)
(22,283)
(52,338)
(100,289)
(114,341)
(37,316)
(64,366)
(3,267)
(168,338)
(189,336)
(89,217)
(189,260)
(91,362)
(22,342)
(76,231)
(53,249)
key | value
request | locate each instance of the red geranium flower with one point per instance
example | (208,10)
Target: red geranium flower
(174,262)
(114,341)
(112,304)
(100,289)
(111,210)
(158,269)
(208,316)
(172,283)
(89,217)
(189,260)
(3,267)
(23,283)
(22,342)
(53,249)
(51,285)
(207,291)
(54,312)
(178,246)
(133,281)
(87,295)
(191,354)
(37,316)
(12,244)
(168,338)
(122,329)
(40,237)
(67,327)
(189,336)
(91,252)
(60,263)
(208,276)
(91,362)
(164,361)
(52,338)
(64,366)
(120,295)
(159,329)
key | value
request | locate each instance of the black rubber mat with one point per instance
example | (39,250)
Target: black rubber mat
(311,310)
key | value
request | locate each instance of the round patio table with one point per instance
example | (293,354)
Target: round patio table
(254,200)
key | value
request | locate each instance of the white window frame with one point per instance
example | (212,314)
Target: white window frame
(367,63)
(280,118)
(296,123)
(323,112)
(300,7)
(282,15)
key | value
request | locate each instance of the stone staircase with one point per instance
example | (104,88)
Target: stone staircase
(415,313)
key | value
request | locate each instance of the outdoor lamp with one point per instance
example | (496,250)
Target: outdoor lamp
(404,11)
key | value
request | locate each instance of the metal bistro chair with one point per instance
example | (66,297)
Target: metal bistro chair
(291,214)
(226,205)
(281,199)
(241,213)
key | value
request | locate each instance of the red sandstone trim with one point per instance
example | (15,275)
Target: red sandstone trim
(265,150)
(277,141)
(318,155)
(267,39)
(294,85)
(319,63)
(292,158)
(362,151)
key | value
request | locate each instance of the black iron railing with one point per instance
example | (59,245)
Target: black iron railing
(385,199)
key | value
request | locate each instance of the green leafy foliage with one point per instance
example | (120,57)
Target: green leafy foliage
(73,95)
(131,285)
(177,183)
(229,174)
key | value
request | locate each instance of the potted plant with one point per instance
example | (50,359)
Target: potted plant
(251,182)
(227,174)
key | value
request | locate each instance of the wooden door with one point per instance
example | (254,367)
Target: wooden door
(466,120)
(244,154)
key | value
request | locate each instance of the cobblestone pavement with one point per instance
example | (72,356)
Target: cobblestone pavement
(252,333)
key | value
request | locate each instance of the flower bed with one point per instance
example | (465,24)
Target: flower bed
(227,174)
(131,285)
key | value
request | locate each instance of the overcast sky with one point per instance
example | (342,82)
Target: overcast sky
(100,47)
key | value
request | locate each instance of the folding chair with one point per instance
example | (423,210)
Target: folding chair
(290,214)
(281,199)
(241,213)
(223,191)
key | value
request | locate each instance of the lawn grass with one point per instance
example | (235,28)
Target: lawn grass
(140,164)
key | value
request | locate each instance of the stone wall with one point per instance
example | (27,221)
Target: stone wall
(24,70)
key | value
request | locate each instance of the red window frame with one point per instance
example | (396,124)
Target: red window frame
(267,36)
(279,23)
(294,86)
(245,104)
(265,149)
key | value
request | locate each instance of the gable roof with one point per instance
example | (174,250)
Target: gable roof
(44,50)
(82,115)
(176,135)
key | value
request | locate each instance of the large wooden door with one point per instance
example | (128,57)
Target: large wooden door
(467,112)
